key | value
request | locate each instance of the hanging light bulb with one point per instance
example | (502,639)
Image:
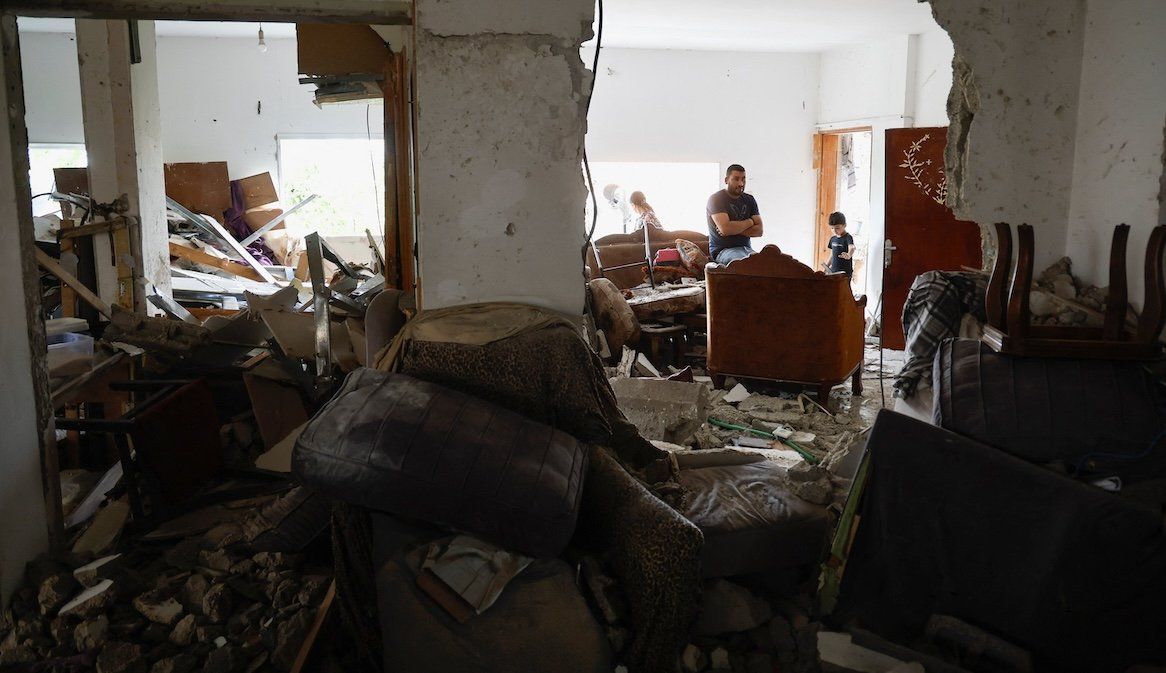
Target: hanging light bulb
(262,42)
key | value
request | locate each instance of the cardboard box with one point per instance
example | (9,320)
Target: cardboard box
(260,201)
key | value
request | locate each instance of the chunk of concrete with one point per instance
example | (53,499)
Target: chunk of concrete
(670,411)
(121,658)
(692,660)
(90,601)
(157,608)
(837,649)
(90,635)
(739,393)
(101,569)
(55,591)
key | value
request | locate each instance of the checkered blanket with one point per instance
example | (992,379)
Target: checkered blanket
(935,306)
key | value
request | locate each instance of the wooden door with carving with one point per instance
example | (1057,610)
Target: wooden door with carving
(922,234)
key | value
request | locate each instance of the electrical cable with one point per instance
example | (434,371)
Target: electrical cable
(1079,467)
(373,165)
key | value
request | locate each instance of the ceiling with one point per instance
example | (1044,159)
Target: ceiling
(760,25)
(174,28)
(743,25)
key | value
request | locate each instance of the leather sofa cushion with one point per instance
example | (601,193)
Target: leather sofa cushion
(394,443)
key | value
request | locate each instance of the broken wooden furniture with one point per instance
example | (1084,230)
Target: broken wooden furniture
(772,317)
(174,435)
(1010,329)
(665,344)
(619,257)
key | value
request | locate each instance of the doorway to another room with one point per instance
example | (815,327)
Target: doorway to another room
(842,160)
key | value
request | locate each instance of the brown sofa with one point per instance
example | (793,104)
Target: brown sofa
(619,249)
(772,317)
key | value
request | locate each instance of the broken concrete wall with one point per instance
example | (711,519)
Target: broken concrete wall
(501,104)
(1014,109)
(23,529)
(1119,151)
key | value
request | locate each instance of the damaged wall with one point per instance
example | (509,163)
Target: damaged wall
(501,98)
(1120,137)
(23,528)
(1062,104)
(655,105)
(1015,163)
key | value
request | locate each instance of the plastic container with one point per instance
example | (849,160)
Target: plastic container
(68,346)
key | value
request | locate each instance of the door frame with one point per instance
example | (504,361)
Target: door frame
(826,147)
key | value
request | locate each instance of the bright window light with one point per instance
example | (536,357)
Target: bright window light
(347,173)
(42,159)
(677,191)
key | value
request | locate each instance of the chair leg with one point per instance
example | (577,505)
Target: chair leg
(718,381)
(824,394)
(856,382)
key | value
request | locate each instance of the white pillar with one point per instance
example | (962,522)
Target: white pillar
(501,97)
(23,525)
(123,136)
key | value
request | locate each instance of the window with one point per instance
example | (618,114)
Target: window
(348,174)
(42,159)
(678,192)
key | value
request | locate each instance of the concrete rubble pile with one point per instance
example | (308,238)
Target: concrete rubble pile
(691,417)
(203,603)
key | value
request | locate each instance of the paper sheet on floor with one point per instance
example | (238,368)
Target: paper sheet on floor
(477,570)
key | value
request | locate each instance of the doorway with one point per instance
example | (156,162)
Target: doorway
(842,161)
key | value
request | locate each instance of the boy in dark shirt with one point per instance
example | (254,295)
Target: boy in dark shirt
(841,247)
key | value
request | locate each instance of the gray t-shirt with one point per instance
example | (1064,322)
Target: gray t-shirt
(741,208)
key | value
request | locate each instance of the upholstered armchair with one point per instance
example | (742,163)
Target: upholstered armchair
(772,317)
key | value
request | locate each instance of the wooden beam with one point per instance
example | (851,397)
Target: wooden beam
(319,11)
(223,264)
(314,632)
(67,278)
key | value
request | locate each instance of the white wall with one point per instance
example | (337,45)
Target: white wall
(754,109)
(210,91)
(870,85)
(1120,120)
(933,73)
(52,87)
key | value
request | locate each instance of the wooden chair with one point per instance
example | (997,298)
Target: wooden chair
(772,317)
(1010,329)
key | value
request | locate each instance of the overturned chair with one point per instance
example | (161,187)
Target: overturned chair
(772,317)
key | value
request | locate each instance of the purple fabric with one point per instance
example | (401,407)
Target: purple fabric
(239,229)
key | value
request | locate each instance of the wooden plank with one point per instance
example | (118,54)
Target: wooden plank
(278,408)
(204,188)
(227,265)
(386,13)
(67,278)
(68,295)
(364,52)
(404,171)
(391,269)
(314,632)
